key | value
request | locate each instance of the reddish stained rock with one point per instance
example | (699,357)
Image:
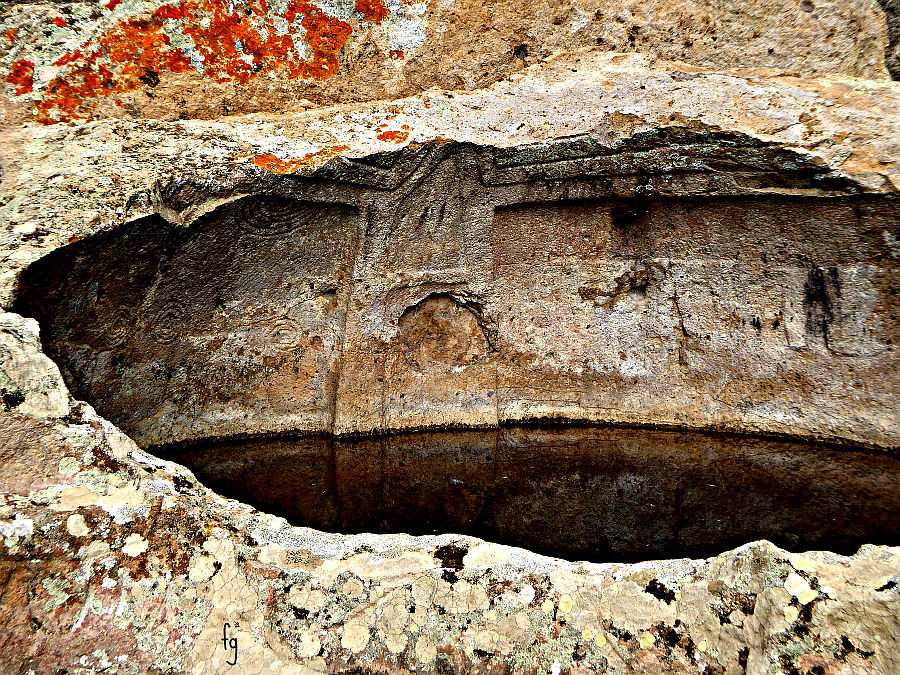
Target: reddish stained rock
(21,74)
(395,136)
(372,10)
(235,47)
(447,45)
(115,65)
(281,166)
(392,135)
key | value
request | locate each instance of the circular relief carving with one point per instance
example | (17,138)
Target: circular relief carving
(169,322)
(442,330)
(270,216)
(285,333)
(120,329)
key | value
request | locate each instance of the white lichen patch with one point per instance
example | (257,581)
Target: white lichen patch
(309,644)
(425,650)
(353,588)
(798,587)
(76,525)
(791,613)
(94,549)
(458,598)
(135,544)
(356,637)
(486,555)
(19,527)
(202,568)
(306,597)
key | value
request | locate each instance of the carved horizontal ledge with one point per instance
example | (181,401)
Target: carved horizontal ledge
(676,162)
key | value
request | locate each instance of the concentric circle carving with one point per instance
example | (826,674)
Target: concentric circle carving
(270,216)
(169,322)
(120,328)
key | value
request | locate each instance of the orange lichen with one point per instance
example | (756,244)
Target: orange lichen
(372,10)
(397,54)
(233,44)
(59,21)
(122,57)
(11,34)
(275,165)
(21,74)
(313,159)
(326,35)
(112,4)
(395,136)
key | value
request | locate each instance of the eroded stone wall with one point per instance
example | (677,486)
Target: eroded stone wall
(112,560)
(116,560)
(684,279)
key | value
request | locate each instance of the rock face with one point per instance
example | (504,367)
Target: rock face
(700,233)
(892,55)
(682,278)
(114,559)
(208,58)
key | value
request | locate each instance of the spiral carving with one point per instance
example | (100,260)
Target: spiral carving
(269,217)
(169,322)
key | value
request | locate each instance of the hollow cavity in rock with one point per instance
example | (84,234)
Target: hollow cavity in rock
(578,493)
(676,278)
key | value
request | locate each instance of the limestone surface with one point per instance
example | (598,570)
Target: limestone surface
(667,247)
(219,219)
(207,58)
(116,561)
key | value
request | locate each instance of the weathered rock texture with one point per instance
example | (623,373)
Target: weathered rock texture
(892,55)
(63,182)
(681,277)
(116,561)
(601,236)
(207,58)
